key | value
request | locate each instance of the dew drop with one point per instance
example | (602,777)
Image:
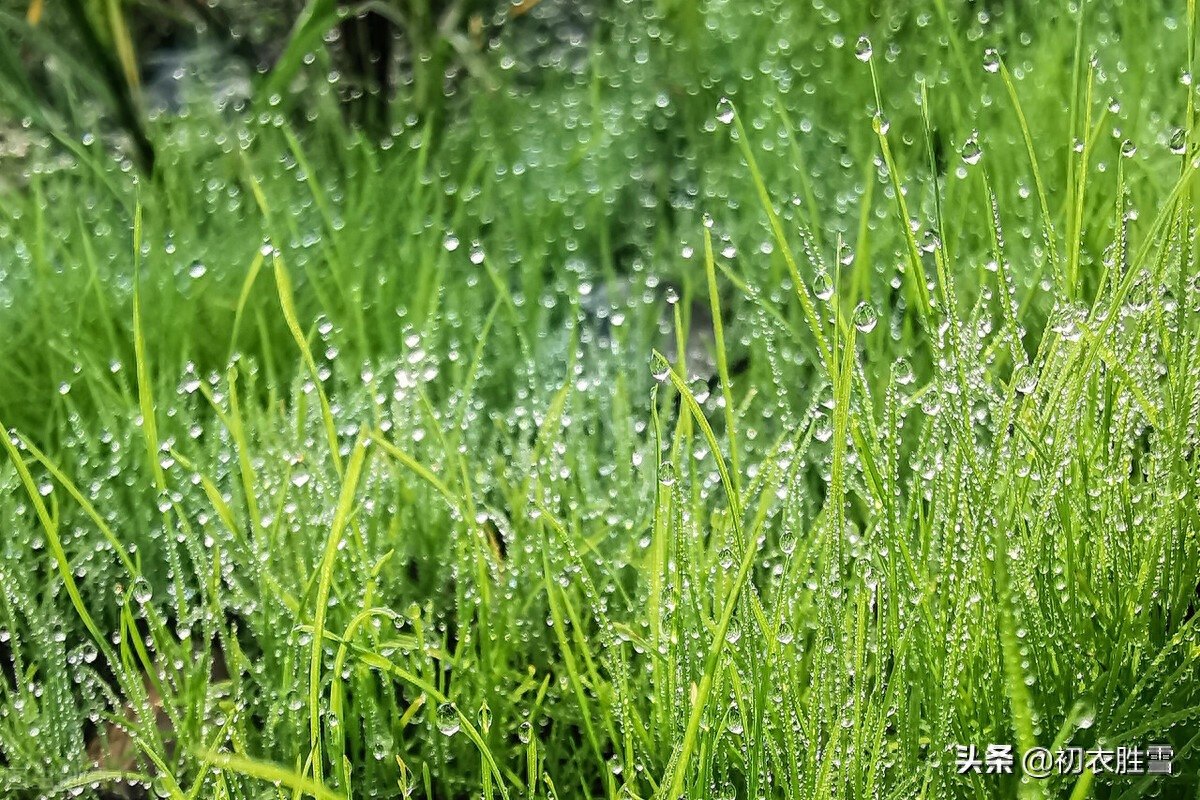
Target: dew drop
(1024,379)
(660,368)
(447,719)
(991,60)
(971,151)
(725,558)
(864,317)
(142,592)
(1178,142)
(863,50)
(787,540)
(822,286)
(725,111)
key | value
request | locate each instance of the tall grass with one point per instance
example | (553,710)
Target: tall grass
(322,480)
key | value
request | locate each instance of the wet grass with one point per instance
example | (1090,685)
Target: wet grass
(348,469)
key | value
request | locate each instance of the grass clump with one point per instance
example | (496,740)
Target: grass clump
(361,468)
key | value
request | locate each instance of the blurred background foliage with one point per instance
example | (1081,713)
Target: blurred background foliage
(573,141)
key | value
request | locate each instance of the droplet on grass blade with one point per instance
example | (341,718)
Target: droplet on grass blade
(447,719)
(725,111)
(972,152)
(822,286)
(659,367)
(863,49)
(1178,143)
(787,540)
(864,317)
(1024,379)
(991,60)
(142,591)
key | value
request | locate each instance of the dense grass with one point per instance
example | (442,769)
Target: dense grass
(321,458)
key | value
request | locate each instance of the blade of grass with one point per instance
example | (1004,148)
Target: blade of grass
(341,518)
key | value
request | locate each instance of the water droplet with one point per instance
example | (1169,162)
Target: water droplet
(991,59)
(785,635)
(197,270)
(1024,379)
(725,111)
(1114,105)
(787,540)
(736,726)
(1128,148)
(666,473)
(903,372)
(1179,142)
(725,558)
(1087,718)
(525,732)
(450,242)
(822,286)
(485,717)
(707,220)
(660,368)
(971,151)
(880,123)
(447,719)
(863,50)
(142,591)
(864,317)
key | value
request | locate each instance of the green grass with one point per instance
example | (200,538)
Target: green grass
(316,458)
